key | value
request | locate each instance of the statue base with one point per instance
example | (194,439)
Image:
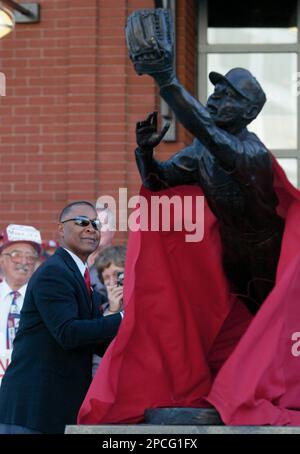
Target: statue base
(183,416)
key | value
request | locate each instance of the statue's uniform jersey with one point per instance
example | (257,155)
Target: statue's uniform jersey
(242,198)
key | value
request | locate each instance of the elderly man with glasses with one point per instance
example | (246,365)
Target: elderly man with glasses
(61,327)
(20,249)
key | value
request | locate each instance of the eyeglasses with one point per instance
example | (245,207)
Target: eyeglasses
(17,257)
(84,221)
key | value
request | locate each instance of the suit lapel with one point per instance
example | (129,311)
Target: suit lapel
(73,266)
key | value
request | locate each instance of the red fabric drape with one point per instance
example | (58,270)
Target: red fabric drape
(259,384)
(181,323)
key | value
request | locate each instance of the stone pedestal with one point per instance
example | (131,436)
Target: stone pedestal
(178,430)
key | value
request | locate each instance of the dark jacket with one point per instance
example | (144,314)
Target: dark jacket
(60,329)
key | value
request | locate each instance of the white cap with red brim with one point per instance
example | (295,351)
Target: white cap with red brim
(21,234)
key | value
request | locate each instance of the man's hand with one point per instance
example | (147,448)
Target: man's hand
(147,136)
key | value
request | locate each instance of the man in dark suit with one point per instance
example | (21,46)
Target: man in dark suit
(61,327)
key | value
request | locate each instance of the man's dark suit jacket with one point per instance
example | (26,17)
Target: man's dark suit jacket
(60,329)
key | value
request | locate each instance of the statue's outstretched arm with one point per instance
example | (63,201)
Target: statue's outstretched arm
(196,119)
(150,40)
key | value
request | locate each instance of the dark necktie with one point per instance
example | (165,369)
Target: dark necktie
(13,320)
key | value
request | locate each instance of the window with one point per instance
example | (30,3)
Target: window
(261,36)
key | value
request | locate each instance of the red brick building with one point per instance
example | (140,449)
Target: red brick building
(72,101)
(73,98)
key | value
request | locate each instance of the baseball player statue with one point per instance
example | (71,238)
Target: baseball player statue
(230,164)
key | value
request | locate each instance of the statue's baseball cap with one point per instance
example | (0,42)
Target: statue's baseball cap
(21,234)
(243,82)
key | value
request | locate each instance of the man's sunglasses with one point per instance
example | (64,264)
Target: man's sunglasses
(84,221)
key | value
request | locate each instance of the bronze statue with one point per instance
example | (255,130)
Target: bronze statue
(230,164)
(178,350)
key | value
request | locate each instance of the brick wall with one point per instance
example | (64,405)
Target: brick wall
(72,101)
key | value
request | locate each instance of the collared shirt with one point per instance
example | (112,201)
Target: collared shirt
(5,304)
(81,266)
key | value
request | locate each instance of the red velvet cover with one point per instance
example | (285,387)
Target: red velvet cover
(181,324)
(259,384)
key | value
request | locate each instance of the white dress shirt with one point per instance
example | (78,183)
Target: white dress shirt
(82,266)
(5,304)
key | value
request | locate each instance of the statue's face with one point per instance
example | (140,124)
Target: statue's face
(226,107)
